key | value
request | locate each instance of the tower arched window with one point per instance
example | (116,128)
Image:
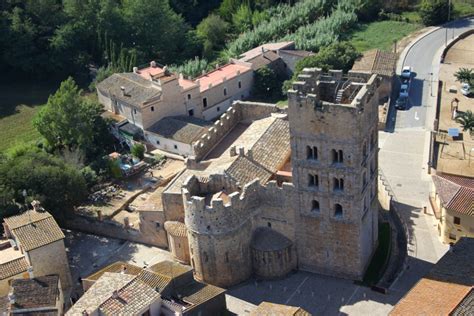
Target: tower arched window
(337,156)
(315,206)
(312,152)
(338,184)
(313,180)
(338,212)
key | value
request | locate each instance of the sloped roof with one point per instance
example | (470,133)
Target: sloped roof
(265,47)
(183,129)
(273,147)
(34,229)
(456,193)
(13,267)
(219,75)
(270,309)
(466,307)
(296,52)
(116,267)
(99,292)
(177,229)
(40,292)
(245,170)
(132,299)
(170,268)
(263,59)
(267,239)
(156,281)
(137,89)
(377,62)
(197,293)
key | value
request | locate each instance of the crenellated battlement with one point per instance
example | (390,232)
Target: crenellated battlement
(217,206)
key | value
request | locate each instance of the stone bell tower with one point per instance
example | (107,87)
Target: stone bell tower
(333,129)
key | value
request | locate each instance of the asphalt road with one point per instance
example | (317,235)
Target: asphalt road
(420,58)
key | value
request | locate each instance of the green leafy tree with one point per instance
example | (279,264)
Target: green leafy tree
(212,31)
(194,11)
(228,7)
(267,84)
(138,150)
(466,119)
(58,185)
(464,75)
(72,121)
(340,55)
(434,12)
(242,18)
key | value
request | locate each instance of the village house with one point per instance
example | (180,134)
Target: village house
(166,288)
(34,247)
(452,200)
(447,289)
(170,111)
(38,296)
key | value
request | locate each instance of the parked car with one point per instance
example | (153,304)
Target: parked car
(466,89)
(406,72)
(404,90)
(401,103)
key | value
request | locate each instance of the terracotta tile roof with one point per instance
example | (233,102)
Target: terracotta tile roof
(430,297)
(218,75)
(115,267)
(184,129)
(197,293)
(267,309)
(377,62)
(273,148)
(40,292)
(456,193)
(177,229)
(133,299)
(170,268)
(445,286)
(466,307)
(14,267)
(99,292)
(245,170)
(41,231)
(296,52)
(156,281)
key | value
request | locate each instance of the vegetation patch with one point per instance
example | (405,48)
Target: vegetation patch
(380,34)
(381,256)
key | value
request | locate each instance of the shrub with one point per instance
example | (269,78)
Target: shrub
(267,84)
(464,75)
(138,150)
(434,12)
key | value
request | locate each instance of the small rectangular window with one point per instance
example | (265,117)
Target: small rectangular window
(225,91)
(457,220)
(240,84)
(175,146)
(134,111)
(189,96)
(157,142)
(158,225)
(218,109)
(204,102)
(191,112)
(315,206)
(152,108)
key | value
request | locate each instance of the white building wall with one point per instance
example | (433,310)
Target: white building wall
(168,144)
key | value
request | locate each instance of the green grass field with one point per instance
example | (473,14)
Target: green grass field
(19,102)
(380,34)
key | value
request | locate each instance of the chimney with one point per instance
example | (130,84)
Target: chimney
(36,205)
(165,69)
(250,154)
(124,269)
(233,151)
(153,64)
(263,49)
(224,79)
(238,72)
(217,66)
(181,76)
(30,272)
(115,294)
(85,313)
(241,151)
(123,90)
(135,70)
(210,86)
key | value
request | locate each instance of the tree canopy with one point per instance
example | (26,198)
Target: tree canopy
(44,177)
(72,121)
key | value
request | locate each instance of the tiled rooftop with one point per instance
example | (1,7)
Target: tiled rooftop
(445,287)
(116,267)
(456,193)
(170,268)
(265,47)
(197,293)
(176,228)
(245,170)
(466,307)
(13,267)
(99,292)
(271,309)
(220,75)
(156,281)
(34,229)
(40,292)
(133,299)
(184,129)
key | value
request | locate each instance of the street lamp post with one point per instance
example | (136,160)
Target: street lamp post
(449,17)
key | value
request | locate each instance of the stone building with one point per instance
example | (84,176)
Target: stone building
(36,248)
(243,218)
(452,200)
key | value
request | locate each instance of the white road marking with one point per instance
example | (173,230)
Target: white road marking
(289,299)
(416,116)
